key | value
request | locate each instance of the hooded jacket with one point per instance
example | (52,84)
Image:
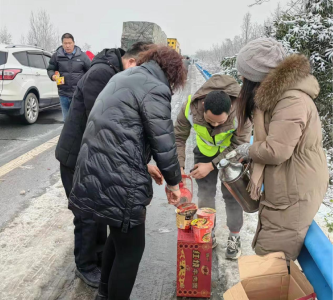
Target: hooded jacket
(72,69)
(129,123)
(183,127)
(296,173)
(104,65)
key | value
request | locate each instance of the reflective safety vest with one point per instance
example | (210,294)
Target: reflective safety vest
(207,144)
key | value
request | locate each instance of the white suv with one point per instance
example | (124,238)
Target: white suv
(25,87)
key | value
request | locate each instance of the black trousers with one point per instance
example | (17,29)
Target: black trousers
(207,193)
(121,258)
(89,236)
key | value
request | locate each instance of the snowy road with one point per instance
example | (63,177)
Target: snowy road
(36,239)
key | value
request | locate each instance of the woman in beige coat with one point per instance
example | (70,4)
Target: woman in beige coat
(287,152)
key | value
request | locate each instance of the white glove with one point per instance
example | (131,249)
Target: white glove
(244,150)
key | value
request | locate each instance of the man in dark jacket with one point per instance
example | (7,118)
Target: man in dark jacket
(89,236)
(72,64)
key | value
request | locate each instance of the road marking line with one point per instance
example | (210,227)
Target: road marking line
(17,162)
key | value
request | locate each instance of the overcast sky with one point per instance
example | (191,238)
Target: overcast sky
(196,24)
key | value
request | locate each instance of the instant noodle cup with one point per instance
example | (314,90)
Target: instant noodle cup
(207,213)
(184,215)
(202,229)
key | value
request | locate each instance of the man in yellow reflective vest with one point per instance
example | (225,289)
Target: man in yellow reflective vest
(211,112)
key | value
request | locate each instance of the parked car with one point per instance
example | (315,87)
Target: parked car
(25,88)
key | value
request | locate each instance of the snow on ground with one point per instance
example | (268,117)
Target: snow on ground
(28,261)
(36,252)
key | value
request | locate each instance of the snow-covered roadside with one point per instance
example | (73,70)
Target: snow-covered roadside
(34,244)
(36,252)
(210,67)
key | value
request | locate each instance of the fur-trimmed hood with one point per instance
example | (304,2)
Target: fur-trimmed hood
(294,73)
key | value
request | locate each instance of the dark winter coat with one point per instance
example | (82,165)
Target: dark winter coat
(72,69)
(130,121)
(104,65)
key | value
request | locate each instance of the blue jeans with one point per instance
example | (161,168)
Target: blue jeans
(65,103)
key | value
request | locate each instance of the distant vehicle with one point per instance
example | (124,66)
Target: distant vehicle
(25,87)
(174,44)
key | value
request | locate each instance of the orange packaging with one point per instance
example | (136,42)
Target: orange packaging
(185,213)
(60,80)
(202,230)
(207,213)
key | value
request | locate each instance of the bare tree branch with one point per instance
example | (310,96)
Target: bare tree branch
(23,40)
(5,36)
(42,32)
(86,47)
(258,2)
(229,48)
(246,27)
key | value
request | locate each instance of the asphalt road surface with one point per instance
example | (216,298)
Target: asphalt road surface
(16,138)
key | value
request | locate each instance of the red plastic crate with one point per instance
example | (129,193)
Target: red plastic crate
(194,266)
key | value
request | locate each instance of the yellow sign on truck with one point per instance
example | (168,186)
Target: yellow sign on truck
(174,44)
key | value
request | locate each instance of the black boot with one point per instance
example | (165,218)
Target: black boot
(91,278)
(102,291)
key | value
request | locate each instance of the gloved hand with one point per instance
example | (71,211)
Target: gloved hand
(244,151)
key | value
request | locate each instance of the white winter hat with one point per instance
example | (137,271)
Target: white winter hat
(258,57)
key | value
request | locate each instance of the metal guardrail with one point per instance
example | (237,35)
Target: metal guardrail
(316,260)
(316,257)
(204,73)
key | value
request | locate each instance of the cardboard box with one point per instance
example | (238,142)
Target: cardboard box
(194,266)
(267,278)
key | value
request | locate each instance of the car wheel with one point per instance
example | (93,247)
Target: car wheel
(31,109)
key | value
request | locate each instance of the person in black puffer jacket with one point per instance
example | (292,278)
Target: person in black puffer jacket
(129,123)
(90,236)
(72,63)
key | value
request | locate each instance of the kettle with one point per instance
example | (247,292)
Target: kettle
(236,178)
(186,194)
